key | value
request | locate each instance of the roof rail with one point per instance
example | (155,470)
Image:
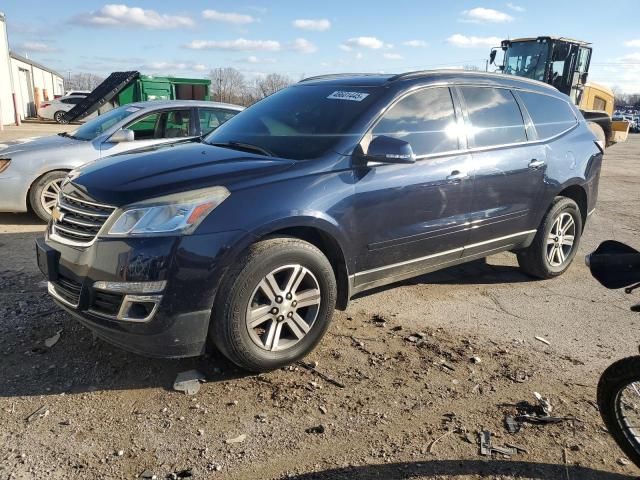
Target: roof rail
(415,73)
(335,75)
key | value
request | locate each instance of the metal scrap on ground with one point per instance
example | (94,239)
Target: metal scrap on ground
(189,382)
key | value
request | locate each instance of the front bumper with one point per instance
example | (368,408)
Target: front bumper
(176,320)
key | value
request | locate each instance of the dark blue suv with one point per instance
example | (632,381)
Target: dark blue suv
(251,237)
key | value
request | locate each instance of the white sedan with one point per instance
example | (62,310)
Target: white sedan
(55,109)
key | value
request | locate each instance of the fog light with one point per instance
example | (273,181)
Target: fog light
(138,308)
(131,287)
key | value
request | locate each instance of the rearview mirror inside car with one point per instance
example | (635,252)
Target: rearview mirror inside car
(123,135)
(385,149)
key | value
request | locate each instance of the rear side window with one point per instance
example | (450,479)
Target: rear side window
(426,119)
(495,116)
(551,116)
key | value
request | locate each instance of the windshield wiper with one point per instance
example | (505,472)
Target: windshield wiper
(245,147)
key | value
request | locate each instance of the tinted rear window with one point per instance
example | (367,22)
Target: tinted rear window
(551,116)
(495,116)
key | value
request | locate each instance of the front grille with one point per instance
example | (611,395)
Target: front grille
(79,221)
(106,303)
(67,289)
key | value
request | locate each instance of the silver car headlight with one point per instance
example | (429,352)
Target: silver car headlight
(179,213)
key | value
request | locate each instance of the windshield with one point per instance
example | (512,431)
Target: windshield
(527,59)
(102,123)
(301,122)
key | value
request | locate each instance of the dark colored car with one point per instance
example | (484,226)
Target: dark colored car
(330,187)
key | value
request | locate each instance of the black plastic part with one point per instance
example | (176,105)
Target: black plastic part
(615,265)
(102,94)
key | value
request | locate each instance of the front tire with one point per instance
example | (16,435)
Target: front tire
(274,305)
(44,193)
(619,399)
(556,241)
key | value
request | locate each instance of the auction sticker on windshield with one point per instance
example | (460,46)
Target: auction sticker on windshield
(352,96)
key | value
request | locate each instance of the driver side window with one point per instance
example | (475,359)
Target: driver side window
(426,119)
(160,125)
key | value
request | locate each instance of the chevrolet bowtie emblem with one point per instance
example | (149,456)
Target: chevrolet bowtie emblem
(56,214)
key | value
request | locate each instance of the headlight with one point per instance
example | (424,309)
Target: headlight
(177,213)
(4,164)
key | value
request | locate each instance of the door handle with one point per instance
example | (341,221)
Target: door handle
(457,176)
(536,164)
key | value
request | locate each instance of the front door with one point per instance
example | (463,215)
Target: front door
(413,216)
(155,128)
(509,171)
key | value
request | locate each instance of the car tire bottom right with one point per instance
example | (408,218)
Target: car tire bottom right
(533,259)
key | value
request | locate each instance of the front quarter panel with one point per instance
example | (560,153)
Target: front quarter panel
(319,199)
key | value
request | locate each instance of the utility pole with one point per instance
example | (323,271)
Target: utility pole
(220,88)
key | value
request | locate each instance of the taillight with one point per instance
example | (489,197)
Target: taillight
(4,164)
(44,105)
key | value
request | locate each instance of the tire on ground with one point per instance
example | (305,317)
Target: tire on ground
(59,116)
(533,260)
(228,330)
(35,193)
(614,379)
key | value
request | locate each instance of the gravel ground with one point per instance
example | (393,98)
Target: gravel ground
(410,400)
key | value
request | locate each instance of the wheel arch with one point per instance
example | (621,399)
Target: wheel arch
(323,235)
(578,194)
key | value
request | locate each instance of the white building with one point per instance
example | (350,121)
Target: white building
(29,81)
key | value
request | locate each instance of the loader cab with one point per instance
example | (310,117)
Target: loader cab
(558,61)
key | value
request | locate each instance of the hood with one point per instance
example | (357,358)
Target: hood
(127,178)
(35,144)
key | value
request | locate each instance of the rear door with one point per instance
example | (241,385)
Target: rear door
(211,118)
(412,216)
(509,170)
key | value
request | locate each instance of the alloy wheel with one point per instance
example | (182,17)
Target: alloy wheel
(283,308)
(49,195)
(561,239)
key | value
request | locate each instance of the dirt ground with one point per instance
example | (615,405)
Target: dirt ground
(410,399)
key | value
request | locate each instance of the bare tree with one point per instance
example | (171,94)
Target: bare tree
(228,85)
(272,83)
(83,81)
(471,68)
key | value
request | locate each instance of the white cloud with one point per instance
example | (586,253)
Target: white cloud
(303,45)
(365,42)
(392,56)
(415,43)
(239,44)
(38,47)
(631,57)
(168,67)
(635,43)
(252,59)
(459,40)
(118,15)
(515,8)
(317,25)
(485,15)
(228,17)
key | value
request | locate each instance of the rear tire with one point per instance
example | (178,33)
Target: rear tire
(59,117)
(274,305)
(549,255)
(612,383)
(43,193)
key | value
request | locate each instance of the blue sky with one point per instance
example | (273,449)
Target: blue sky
(298,38)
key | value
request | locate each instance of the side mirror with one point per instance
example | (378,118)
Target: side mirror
(492,56)
(121,136)
(385,149)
